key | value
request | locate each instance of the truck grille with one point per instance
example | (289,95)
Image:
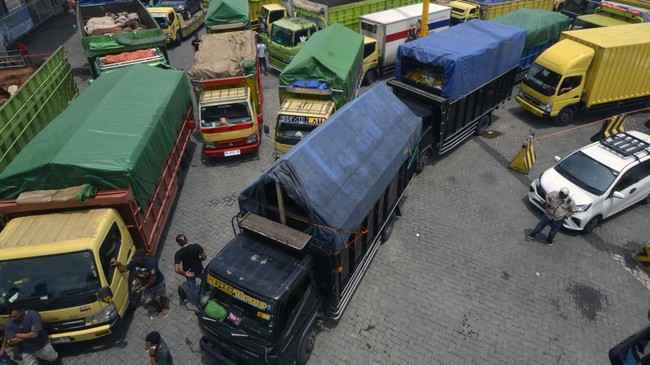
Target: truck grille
(232,143)
(530,99)
(64,326)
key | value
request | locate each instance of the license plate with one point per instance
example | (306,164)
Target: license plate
(232,153)
(61,340)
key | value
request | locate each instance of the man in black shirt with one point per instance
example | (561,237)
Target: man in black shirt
(196,42)
(25,330)
(192,257)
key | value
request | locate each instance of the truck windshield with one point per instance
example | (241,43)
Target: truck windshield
(290,126)
(161,19)
(43,280)
(282,36)
(225,114)
(542,80)
(586,172)
(240,312)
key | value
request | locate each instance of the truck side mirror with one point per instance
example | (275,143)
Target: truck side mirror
(267,130)
(190,124)
(557,158)
(105,294)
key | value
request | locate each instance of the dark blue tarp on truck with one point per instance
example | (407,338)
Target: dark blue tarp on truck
(470,55)
(337,173)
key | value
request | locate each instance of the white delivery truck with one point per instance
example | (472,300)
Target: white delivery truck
(390,28)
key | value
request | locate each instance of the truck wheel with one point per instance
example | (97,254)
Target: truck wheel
(134,296)
(179,39)
(388,228)
(306,347)
(423,161)
(370,77)
(483,125)
(592,224)
(565,116)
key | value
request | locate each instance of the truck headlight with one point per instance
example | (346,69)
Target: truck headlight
(108,314)
(252,138)
(546,107)
(169,35)
(287,59)
(583,207)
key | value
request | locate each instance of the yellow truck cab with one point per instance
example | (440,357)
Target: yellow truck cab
(462,12)
(268,14)
(298,117)
(173,25)
(62,269)
(370,59)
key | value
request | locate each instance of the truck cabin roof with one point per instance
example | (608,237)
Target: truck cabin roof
(258,265)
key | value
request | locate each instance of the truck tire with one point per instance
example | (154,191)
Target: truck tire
(565,116)
(306,347)
(423,161)
(483,125)
(592,224)
(370,77)
(388,228)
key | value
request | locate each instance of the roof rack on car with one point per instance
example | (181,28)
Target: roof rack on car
(626,144)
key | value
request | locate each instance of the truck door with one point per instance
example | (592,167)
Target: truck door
(112,246)
(297,319)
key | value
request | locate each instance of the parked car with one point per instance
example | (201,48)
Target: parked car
(604,178)
(185,7)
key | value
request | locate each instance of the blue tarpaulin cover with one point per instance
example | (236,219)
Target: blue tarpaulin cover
(338,172)
(471,54)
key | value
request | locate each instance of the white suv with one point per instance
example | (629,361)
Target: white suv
(603,179)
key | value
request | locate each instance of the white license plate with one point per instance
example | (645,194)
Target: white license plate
(232,153)
(61,340)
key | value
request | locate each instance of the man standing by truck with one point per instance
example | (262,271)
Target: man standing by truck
(192,257)
(151,279)
(25,330)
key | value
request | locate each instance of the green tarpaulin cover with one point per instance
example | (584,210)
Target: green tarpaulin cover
(333,55)
(119,132)
(227,12)
(541,26)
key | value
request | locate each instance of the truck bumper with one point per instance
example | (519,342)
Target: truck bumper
(229,152)
(531,108)
(215,353)
(86,334)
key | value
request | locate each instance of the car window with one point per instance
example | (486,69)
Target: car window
(644,170)
(628,179)
(569,84)
(586,172)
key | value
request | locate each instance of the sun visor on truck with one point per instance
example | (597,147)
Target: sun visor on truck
(335,175)
(118,133)
(461,59)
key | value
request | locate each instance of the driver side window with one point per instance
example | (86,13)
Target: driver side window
(630,178)
(569,84)
(110,248)
(297,296)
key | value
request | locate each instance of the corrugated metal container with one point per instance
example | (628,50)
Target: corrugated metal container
(620,69)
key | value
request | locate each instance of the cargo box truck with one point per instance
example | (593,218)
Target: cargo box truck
(543,29)
(120,34)
(390,28)
(78,196)
(589,70)
(42,93)
(228,88)
(309,228)
(464,10)
(321,79)
(436,77)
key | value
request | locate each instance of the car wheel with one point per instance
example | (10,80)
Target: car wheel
(306,347)
(423,161)
(370,77)
(388,228)
(592,224)
(482,125)
(565,116)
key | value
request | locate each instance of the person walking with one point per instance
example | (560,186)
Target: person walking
(261,54)
(157,349)
(196,42)
(192,257)
(152,280)
(559,206)
(25,330)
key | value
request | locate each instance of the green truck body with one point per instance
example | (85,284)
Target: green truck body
(98,46)
(47,92)
(224,14)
